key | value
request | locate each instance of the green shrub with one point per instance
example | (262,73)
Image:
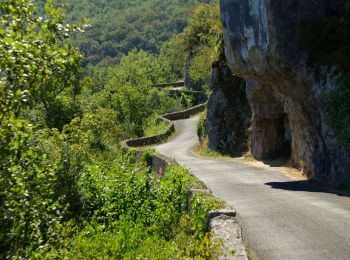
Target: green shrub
(102,128)
(37,64)
(202,40)
(201,204)
(147,157)
(30,208)
(201,126)
(127,210)
(155,126)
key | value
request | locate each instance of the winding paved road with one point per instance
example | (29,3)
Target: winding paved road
(281,218)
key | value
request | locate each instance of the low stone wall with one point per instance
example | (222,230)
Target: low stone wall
(151,140)
(186,113)
(225,228)
(173,84)
(159,163)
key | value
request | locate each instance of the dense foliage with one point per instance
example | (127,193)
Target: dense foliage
(36,64)
(66,189)
(125,89)
(119,26)
(201,126)
(202,40)
(131,213)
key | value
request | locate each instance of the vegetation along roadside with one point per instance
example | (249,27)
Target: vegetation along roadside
(67,190)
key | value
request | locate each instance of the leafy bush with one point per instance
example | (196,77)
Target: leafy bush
(201,204)
(29,206)
(126,88)
(155,126)
(201,126)
(102,128)
(36,64)
(69,151)
(127,210)
(202,40)
(65,189)
(61,111)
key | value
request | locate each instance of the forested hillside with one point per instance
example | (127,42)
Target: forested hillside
(119,26)
(67,189)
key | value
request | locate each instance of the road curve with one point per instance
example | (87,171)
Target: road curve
(281,218)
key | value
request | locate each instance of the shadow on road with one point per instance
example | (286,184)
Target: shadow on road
(308,186)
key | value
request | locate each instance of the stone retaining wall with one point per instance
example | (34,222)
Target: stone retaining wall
(224,229)
(186,113)
(159,163)
(150,140)
(173,84)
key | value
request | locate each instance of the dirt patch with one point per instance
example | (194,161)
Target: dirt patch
(277,165)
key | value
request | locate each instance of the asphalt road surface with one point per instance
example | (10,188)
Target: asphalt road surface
(281,218)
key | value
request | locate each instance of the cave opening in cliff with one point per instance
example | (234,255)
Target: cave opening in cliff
(280,145)
(286,138)
(275,139)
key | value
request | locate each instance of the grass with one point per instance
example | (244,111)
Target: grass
(202,150)
(156,126)
(209,199)
(249,251)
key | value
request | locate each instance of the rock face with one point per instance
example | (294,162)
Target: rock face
(228,112)
(287,95)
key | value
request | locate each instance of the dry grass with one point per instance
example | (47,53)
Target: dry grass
(249,251)
(202,150)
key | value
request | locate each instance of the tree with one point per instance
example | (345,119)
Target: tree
(36,63)
(202,40)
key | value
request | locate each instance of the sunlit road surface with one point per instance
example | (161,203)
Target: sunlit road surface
(281,218)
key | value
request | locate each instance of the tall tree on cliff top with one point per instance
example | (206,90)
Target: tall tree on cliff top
(202,39)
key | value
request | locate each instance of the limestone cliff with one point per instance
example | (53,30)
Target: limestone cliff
(287,94)
(229,113)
